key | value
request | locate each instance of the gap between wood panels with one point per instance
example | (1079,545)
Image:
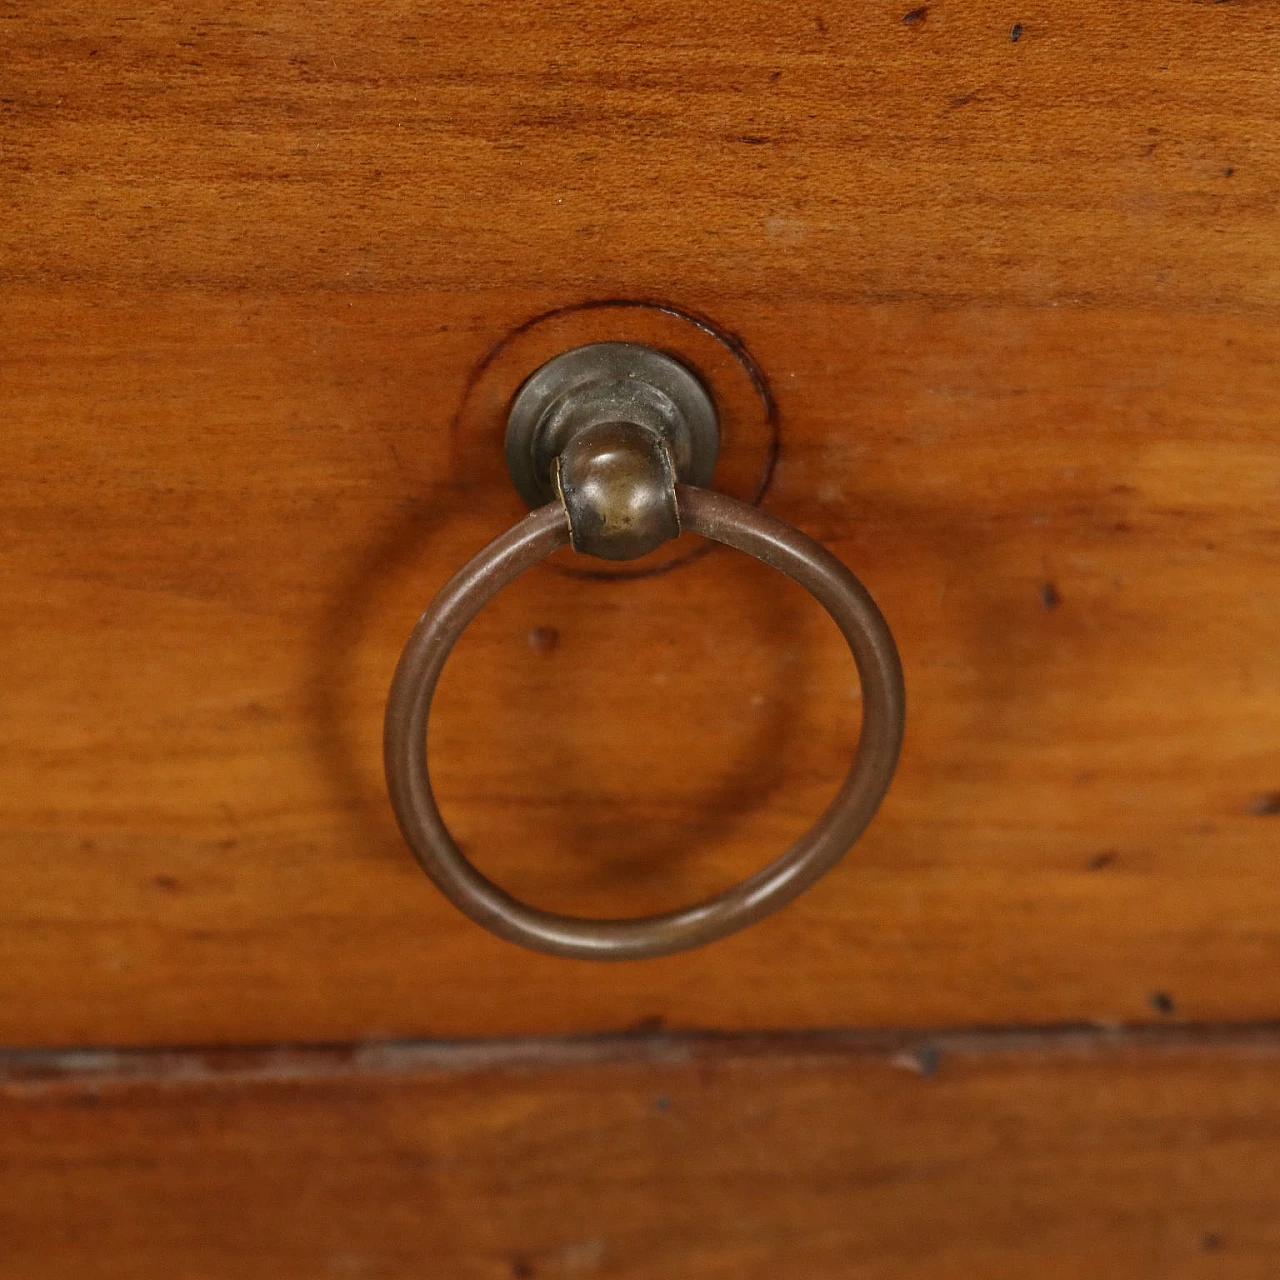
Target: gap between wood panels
(922,1052)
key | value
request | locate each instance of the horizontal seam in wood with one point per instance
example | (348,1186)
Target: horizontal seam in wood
(921,1051)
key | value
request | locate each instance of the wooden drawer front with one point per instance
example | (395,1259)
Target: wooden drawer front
(1016,300)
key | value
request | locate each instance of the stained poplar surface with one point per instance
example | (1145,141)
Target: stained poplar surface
(1063,1156)
(1016,300)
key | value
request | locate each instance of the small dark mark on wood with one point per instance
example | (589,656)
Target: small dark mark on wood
(1211,1242)
(1121,526)
(1266,805)
(544,639)
(662,1104)
(964,100)
(1226,173)
(751,139)
(1015,32)
(1161,1002)
(1049,596)
(928,1057)
(521,1269)
(654,1024)
(1101,860)
(168,883)
(775,76)
(820,24)
(916,16)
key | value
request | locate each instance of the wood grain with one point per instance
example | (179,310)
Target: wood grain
(1017,302)
(1048,1156)
(1121,156)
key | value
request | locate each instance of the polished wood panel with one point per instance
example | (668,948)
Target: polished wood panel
(1054,1157)
(216,547)
(1016,301)
(1120,155)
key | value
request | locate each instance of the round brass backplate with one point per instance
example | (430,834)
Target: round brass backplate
(602,383)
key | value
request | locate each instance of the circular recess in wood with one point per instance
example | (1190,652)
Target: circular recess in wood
(744,403)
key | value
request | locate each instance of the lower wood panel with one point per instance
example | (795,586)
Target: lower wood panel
(1061,1155)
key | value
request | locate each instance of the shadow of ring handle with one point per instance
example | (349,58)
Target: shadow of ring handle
(545,530)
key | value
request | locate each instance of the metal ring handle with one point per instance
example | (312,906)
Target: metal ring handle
(724,519)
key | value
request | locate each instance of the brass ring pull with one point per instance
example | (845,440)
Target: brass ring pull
(551,527)
(536,536)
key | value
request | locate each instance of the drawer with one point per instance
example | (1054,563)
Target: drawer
(992,311)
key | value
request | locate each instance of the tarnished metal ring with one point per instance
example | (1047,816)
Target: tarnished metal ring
(539,534)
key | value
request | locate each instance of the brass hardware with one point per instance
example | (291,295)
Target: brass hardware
(609,382)
(615,477)
(618,486)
